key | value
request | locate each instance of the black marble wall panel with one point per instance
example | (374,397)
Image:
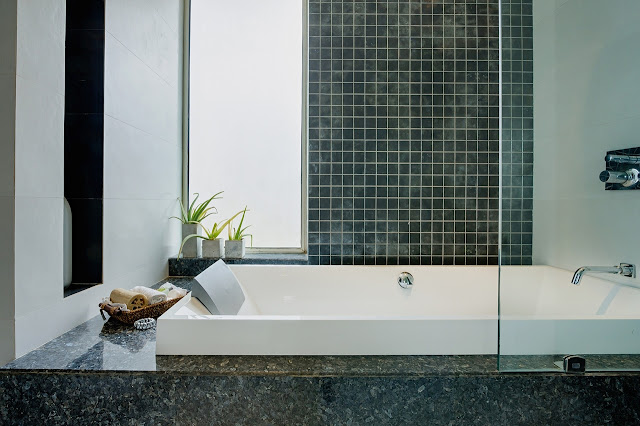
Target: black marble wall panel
(171,399)
(84,134)
(86,240)
(83,155)
(517,132)
(403,132)
(84,72)
(85,14)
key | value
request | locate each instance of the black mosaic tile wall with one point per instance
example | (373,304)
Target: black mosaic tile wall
(517,131)
(403,132)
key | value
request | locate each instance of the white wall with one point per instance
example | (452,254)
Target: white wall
(586,92)
(39,172)
(143,138)
(8,20)
(142,162)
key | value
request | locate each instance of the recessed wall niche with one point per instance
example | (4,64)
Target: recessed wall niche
(84,138)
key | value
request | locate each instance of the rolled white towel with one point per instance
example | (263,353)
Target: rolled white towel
(177,292)
(172,291)
(153,296)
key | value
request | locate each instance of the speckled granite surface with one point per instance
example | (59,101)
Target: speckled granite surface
(175,399)
(191,267)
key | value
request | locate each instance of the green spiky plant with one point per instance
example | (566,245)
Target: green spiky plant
(196,213)
(212,234)
(239,232)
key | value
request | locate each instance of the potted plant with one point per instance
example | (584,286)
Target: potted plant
(212,246)
(191,217)
(235,246)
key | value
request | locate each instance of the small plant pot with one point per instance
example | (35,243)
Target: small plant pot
(213,248)
(193,247)
(234,249)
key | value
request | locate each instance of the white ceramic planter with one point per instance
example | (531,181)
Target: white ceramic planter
(193,247)
(234,249)
(213,248)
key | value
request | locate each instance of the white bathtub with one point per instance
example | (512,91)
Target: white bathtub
(344,310)
(451,310)
(542,313)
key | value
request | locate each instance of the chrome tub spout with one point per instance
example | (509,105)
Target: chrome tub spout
(624,269)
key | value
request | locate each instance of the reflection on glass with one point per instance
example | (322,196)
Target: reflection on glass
(569,92)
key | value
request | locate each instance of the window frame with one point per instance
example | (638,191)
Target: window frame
(304,137)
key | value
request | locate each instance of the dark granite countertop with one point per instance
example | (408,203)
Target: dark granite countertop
(189,267)
(99,346)
(110,346)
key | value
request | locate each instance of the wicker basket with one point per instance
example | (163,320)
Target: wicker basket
(129,317)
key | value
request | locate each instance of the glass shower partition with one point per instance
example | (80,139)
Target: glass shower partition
(569,297)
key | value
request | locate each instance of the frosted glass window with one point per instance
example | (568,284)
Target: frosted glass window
(246,109)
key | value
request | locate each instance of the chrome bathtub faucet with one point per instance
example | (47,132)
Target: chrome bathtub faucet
(624,269)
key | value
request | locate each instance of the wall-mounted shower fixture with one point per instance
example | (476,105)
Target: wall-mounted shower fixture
(624,269)
(622,169)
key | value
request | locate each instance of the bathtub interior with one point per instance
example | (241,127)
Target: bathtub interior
(546,292)
(343,310)
(362,291)
(438,291)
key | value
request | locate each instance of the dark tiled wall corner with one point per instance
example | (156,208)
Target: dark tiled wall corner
(403,132)
(517,131)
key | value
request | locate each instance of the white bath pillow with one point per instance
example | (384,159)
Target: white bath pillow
(221,293)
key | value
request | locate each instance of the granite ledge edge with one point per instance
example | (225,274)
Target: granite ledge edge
(408,376)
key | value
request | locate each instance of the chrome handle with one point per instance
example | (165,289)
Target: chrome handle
(614,177)
(627,178)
